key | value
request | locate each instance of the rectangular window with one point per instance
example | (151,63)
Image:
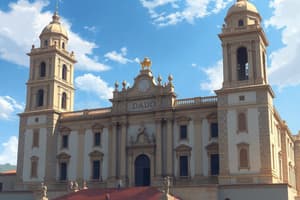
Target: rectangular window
(1,187)
(214,131)
(183,162)
(97,139)
(63,171)
(35,138)
(65,141)
(214,164)
(183,132)
(96,170)
(34,166)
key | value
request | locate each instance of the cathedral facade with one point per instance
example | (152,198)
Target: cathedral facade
(233,145)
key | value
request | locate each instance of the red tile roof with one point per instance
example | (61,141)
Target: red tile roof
(134,193)
(9,172)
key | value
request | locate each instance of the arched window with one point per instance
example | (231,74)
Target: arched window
(64,72)
(244,160)
(63,45)
(64,100)
(242,61)
(46,43)
(40,98)
(241,23)
(43,69)
(242,122)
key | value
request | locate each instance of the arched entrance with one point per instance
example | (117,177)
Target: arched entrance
(142,170)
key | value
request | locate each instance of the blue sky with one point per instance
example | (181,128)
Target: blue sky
(109,37)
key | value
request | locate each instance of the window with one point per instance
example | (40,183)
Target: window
(63,45)
(96,170)
(242,61)
(1,187)
(241,23)
(183,164)
(40,98)
(243,158)
(64,72)
(35,138)
(97,139)
(214,164)
(64,100)
(65,141)
(183,132)
(242,122)
(243,150)
(63,171)
(214,132)
(43,69)
(34,167)
(46,43)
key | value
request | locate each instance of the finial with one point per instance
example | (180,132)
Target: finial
(55,17)
(116,86)
(159,79)
(56,7)
(146,63)
(170,78)
(124,83)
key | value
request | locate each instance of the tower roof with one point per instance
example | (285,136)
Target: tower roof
(55,27)
(242,6)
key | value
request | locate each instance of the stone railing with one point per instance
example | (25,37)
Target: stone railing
(196,101)
(85,113)
(244,28)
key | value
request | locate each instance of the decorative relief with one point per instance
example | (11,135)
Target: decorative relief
(142,137)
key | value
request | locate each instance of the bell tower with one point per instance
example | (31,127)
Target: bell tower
(245,101)
(244,46)
(50,91)
(50,84)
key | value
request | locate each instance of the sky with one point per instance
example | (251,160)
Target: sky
(111,37)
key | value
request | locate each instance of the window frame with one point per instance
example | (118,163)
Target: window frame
(42,70)
(34,167)
(64,100)
(97,139)
(40,98)
(35,138)
(243,164)
(242,59)
(64,72)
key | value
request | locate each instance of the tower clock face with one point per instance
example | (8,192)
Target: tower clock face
(143,85)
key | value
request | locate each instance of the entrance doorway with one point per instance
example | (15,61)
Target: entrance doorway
(142,171)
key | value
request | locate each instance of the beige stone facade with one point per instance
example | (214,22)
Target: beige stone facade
(209,146)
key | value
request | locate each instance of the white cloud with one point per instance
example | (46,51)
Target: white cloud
(94,84)
(194,65)
(21,26)
(9,107)
(10,151)
(284,70)
(171,12)
(214,77)
(118,57)
(92,29)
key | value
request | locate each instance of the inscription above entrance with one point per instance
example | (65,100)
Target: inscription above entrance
(144,105)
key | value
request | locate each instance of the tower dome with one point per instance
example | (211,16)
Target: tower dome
(242,6)
(55,27)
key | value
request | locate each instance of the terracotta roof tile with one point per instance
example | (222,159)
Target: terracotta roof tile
(134,193)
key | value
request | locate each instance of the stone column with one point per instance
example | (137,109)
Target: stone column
(112,151)
(158,169)
(198,146)
(81,141)
(123,142)
(169,149)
